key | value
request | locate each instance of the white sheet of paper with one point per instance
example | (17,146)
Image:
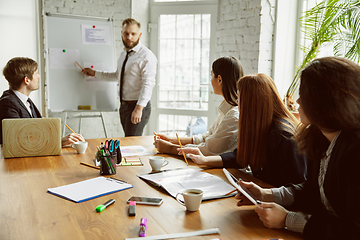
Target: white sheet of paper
(64,58)
(95,35)
(127,151)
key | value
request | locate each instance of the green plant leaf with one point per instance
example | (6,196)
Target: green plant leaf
(330,21)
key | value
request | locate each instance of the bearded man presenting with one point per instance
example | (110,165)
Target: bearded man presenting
(136,70)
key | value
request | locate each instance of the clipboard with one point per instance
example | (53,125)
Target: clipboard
(89,189)
(244,191)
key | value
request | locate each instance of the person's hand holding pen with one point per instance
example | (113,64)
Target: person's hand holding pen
(165,147)
(198,157)
(88,72)
(165,138)
(71,138)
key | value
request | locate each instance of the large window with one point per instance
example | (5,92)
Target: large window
(184,46)
(182,42)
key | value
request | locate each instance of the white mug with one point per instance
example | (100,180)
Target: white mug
(192,199)
(157,162)
(80,147)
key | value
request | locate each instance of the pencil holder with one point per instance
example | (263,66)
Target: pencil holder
(108,164)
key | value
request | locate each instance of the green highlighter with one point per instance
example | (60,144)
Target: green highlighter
(105,205)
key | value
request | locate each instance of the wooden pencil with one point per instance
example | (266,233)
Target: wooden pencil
(89,165)
(79,65)
(231,192)
(182,151)
(69,128)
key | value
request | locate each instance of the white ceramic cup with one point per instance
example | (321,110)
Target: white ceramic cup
(80,147)
(157,162)
(192,199)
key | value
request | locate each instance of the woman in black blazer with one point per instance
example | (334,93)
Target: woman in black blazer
(327,205)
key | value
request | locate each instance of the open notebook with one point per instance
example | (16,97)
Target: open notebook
(176,180)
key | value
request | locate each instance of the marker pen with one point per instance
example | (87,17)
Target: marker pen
(105,205)
(132,205)
(143,226)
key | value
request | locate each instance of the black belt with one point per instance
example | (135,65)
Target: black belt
(128,102)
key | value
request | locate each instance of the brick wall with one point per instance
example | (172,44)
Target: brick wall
(245,30)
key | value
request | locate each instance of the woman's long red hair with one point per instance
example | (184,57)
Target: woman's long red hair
(260,107)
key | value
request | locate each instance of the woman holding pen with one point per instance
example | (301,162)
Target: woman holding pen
(327,204)
(265,142)
(222,135)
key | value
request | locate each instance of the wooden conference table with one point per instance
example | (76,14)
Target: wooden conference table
(27,211)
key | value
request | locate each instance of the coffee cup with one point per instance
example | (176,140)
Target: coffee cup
(157,162)
(80,147)
(192,199)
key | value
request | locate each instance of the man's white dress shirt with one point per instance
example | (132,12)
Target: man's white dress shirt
(139,74)
(24,100)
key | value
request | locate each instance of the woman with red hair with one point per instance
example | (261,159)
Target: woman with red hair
(326,205)
(265,142)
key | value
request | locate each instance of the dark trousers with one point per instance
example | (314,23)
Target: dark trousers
(131,129)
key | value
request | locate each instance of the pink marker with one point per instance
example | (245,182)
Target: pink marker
(142,232)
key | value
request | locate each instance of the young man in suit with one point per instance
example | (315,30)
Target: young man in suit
(23,77)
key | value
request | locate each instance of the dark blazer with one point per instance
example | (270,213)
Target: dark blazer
(12,107)
(283,164)
(342,189)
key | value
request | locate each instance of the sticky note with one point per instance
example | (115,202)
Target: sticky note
(125,164)
(136,164)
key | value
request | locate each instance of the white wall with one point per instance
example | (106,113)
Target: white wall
(18,28)
(140,11)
